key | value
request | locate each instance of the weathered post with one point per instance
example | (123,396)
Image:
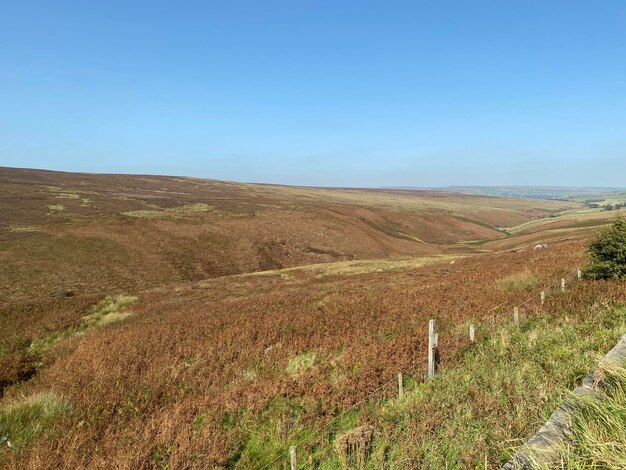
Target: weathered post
(580,274)
(516,315)
(400,385)
(472,332)
(543,297)
(562,285)
(294,458)
(432,346)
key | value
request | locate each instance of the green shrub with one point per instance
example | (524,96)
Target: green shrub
(608,252)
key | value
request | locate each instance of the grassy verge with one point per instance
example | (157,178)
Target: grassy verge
(599,424)
(505,388)
(473,414)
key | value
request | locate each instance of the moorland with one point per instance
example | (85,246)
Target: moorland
(174,322)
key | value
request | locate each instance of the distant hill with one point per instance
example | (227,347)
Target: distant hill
(533,192)
(536,192)
(96,233)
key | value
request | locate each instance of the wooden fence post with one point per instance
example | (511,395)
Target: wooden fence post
(543,297)
(294,459)
(400,385)
(562,285)
(472,332)
(433,339)
(516,315)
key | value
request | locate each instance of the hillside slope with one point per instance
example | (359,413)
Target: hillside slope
(213,324)
(227,372)
(104,233)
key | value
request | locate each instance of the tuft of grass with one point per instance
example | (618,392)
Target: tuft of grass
(301,363)
(55,207)
(40,346)
(524,280)
(599,424)
(25,418)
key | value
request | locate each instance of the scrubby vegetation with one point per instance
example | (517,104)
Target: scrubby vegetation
(608,252)
(475,413)
(219,367)
(232,379)
(120,233)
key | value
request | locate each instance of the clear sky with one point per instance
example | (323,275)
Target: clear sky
(320,92)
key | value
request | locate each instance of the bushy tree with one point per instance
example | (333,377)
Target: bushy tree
(608,252)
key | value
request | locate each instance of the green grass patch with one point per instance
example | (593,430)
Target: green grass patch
(283,423)
(301,363)
(26,418)
(476,413)
(109,310)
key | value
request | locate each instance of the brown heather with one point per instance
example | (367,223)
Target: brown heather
(186,380)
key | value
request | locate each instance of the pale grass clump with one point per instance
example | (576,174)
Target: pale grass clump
(145,214)
(301,363)
(523,280)
(67,195)
(599,423)
(358,267)
(55,207)
(109,310)
(24,418)
(22,228)
(172,212)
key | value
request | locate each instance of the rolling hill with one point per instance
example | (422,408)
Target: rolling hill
(101,233)
(165,322)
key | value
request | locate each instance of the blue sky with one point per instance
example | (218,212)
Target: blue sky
(319,92)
